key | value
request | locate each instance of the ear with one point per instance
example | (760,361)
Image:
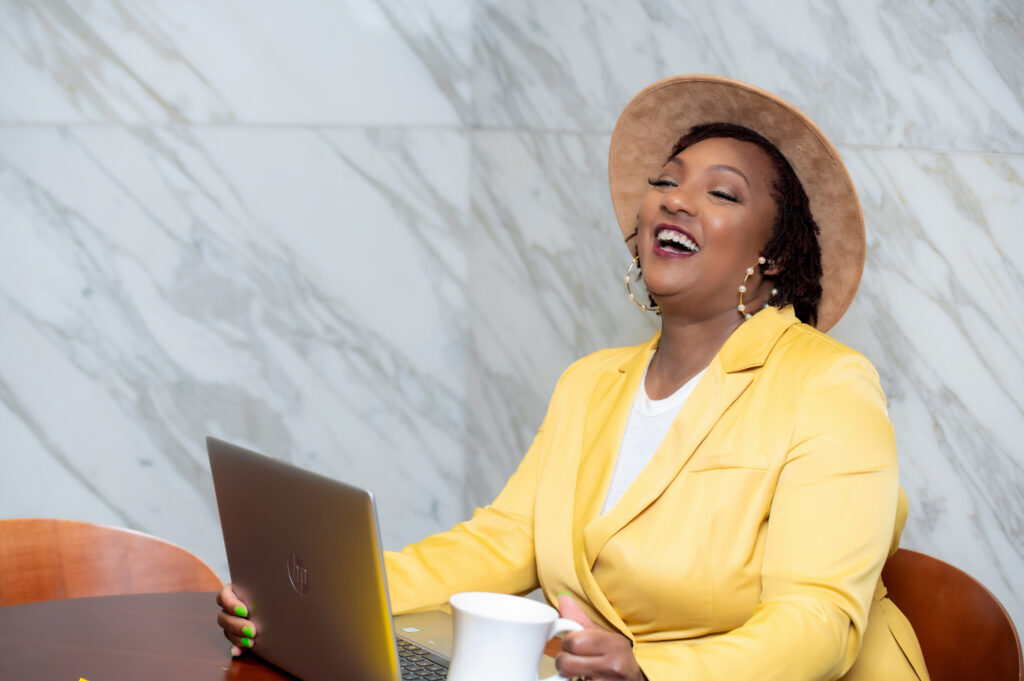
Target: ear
(772,268)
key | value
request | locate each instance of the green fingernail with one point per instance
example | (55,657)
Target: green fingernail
(246,642)
(241,611)
(564,593)
(235,652)
(247,630)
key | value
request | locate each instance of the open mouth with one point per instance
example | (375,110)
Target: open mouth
(675,241)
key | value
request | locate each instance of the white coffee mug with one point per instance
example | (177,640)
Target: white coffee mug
(499,637)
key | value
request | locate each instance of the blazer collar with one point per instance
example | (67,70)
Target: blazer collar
(747,348)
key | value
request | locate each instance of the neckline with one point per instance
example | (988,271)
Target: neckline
(651,407)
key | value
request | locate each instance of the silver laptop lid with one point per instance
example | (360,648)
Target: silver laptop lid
(304,553)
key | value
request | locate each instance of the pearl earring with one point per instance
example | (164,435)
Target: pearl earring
(741,308)
(632,296)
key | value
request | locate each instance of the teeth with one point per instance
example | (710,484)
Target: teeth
(679,238)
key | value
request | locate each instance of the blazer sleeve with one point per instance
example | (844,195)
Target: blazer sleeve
(829,530)
(493,551)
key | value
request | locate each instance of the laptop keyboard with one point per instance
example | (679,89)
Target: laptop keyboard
(419,663)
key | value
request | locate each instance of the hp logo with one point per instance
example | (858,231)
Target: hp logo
(298,575)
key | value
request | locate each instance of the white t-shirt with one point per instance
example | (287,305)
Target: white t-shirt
(648,423)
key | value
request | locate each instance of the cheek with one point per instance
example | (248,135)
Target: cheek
(649,213)
(738,243)
(649,207)
(727,234)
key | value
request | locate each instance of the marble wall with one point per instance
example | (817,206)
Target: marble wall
(368,236)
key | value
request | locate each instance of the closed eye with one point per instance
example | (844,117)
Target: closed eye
(660,182)
(723,195)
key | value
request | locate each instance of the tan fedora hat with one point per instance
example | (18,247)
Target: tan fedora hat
(661,113)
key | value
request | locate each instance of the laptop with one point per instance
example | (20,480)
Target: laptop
(304,554)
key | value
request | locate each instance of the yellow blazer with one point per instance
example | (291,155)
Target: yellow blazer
(750,547)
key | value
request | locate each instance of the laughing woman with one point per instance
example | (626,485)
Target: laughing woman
(717,503)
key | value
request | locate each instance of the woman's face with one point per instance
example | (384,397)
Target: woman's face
(705,220)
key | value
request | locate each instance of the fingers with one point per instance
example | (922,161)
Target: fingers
(229,601)
(576,666)
(598,656)
(587,642)
(239,644)
(237,629)
(570,609)
(236,626)
(595,668)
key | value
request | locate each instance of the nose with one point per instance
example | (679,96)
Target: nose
(679,200)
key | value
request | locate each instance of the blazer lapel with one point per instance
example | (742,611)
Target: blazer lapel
(724,381)
(605,422)
(714,393)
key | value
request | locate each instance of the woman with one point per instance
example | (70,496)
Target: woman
(718,502)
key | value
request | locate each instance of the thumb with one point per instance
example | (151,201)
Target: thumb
(570,609)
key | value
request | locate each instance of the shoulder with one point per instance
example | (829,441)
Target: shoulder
(606,359)
(584,376)
(823,384)
(810,356)
(589,367)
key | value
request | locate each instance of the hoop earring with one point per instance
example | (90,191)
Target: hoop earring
(741,308)
(632,296)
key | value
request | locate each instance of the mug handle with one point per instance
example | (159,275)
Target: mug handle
(562,626)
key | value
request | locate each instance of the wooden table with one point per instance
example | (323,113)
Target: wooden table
(141,637)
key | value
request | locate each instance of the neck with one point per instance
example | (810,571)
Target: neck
(685,348)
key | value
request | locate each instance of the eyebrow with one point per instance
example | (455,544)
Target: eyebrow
(717,166)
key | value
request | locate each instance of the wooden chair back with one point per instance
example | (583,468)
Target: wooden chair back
(46,559)
(964,631)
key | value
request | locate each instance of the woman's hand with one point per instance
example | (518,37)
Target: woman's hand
(594,654)
(232,619)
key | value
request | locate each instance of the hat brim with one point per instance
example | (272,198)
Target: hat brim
(661,113)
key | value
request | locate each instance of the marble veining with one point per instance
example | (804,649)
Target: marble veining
(547,268)
(155,283)
(944,75)
(232,61)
